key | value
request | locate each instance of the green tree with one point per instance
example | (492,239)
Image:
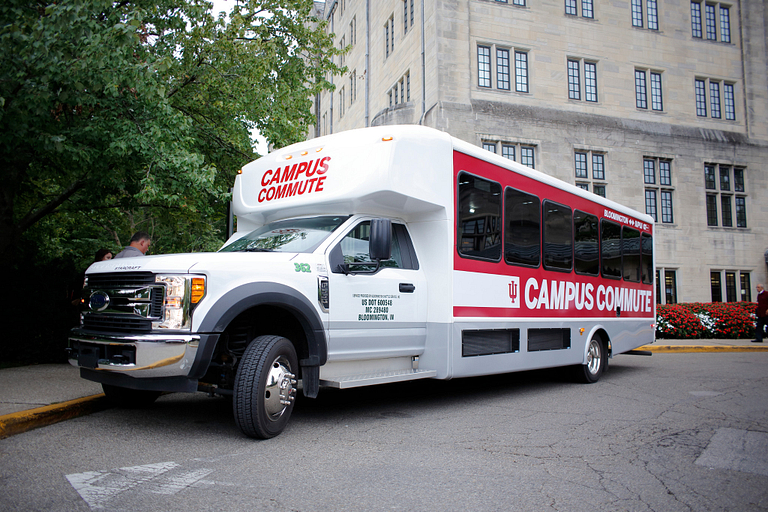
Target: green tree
(124,115)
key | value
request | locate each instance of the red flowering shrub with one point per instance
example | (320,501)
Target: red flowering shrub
(722,320)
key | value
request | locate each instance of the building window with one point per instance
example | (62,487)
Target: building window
(730,104)
(746,287)
(511,150)
(669,294)
(696,19)
(502,68)
(526,156)
(641,90)
(637,13)
(483,66)
(710,21)
(521,71)
(725,24)
(341,103)
(401,91)
(581,160)
(714,99)
(735,283)
(389,36)
(727,193)
(353,31)
(587,8)
(657,178)
(708,94)
(575,80)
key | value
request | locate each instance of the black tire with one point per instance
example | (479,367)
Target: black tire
(129,398)
(265,387)
(597,361)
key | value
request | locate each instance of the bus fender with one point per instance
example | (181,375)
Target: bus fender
(238,300)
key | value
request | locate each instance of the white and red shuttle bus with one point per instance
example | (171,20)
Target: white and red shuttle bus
(371,256)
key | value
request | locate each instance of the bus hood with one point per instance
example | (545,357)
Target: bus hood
(202,262)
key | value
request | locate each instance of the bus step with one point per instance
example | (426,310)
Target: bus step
(354,381)
(639,353)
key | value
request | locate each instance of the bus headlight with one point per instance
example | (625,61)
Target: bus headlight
(182,294)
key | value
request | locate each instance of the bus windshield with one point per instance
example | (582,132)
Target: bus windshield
(293,235)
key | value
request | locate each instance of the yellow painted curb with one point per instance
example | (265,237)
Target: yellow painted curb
(702,348)
(18,422)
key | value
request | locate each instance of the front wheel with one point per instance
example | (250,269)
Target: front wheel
(265,387)
(597,361)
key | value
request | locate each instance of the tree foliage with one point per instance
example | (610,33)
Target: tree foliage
(125,115)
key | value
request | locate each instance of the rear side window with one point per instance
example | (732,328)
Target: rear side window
(630,254)
(479,218)
(586,236)
(610,240)
(522,237)
(647,243)
(558,237)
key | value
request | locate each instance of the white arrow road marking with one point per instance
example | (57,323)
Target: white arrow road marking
(99,488)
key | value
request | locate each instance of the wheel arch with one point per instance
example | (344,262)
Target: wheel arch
(254,299)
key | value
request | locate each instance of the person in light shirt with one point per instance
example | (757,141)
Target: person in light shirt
(138,246)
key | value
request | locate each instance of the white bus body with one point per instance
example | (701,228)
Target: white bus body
(494,268)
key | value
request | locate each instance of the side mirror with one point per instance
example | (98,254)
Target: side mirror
(380,242)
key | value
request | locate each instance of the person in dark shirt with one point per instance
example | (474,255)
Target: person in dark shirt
(762,313)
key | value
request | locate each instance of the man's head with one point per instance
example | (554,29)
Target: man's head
(759,288)
(140,240)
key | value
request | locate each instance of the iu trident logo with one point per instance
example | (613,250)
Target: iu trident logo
(514,291)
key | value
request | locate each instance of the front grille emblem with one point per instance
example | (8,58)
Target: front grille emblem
(99,301)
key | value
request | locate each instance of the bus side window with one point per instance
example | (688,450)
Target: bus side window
(630,253)
(558,237)
(479,218)
(647,243)
(586,235)
(522,238)
(610,242)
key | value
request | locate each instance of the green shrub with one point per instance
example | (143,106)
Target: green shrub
(719,320)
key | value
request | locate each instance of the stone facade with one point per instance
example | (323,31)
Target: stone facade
(452,66)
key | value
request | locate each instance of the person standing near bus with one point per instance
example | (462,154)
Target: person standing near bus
(761,312)
(138,246)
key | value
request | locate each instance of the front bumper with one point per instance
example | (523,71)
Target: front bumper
(146,356)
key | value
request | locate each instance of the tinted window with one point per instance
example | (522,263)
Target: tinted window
(647,242)
(610,243)
(522,237)
(479,218)
(586,233)
(631,255)
(558,237)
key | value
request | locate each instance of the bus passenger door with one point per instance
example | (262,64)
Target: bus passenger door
(375,314)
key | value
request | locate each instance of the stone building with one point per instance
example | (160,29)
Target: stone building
(661,105)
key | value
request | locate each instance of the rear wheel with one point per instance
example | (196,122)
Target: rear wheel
(597,361)
(129,398)
(265,387)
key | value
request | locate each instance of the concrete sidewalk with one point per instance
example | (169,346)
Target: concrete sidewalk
(40,395)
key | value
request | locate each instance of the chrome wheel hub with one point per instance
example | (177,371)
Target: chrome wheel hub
(280,389)
(593,357)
